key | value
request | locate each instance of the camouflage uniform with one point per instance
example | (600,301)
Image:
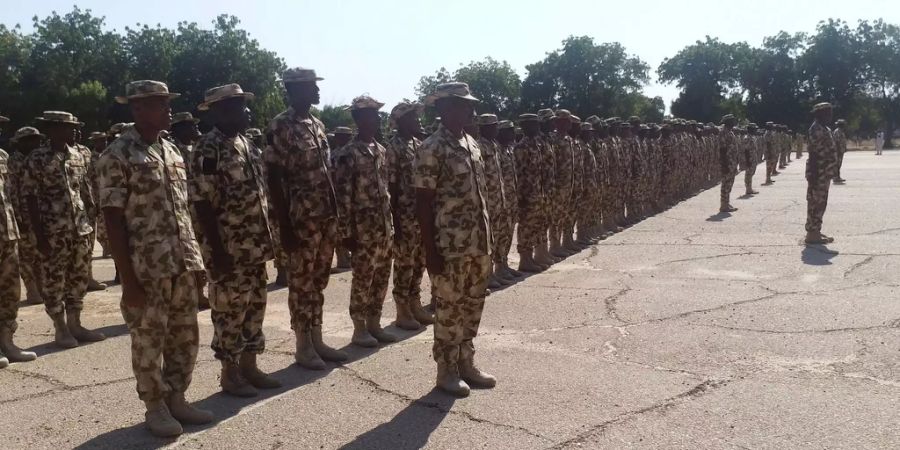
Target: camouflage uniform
(28,256)
(588,207)
(820,168)
(361,187)
(510,189)
(771,153)
(532,195)
(562,205)
(281,258)
(840,144)
(497,199)
(300,149)
(453,168)
(409,257)
(227,173)
(548,180)
(148,183)
(728,158)
(748,159)
(9,269)
(59,183)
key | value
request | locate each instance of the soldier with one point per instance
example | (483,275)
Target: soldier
(302,193)
(456,234)
(840,143)
(506,138)
(98,145)
(115,130)
(749,158)
(57,193)
(25,141)
(144,198)
(771,154)
(185,133)
(548,175)
(228,191)
(340,138)
(281,259)
(532,195)
(588,206)
(728,158)
(561,202)
(409,257)
(820,168)
(365,224)
(488,127)
(255,135)
(9,269)
(90,204)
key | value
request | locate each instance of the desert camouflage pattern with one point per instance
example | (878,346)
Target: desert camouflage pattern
(237,309)
(460,291)
(820,169)
(532,196)
(409,257)
(501,225)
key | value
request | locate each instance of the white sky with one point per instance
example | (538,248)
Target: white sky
(383,47)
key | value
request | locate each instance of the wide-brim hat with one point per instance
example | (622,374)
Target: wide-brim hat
(563,114)
(299,75)
(4,119)
(364,102)
(97,135)
(727,117)
(219,93)
(451,89)
(182,117)
(343,130)
(528,117)
(145,89)
(821,106)
(404,108)
(58,117)
(25,132)
(487,119)
(505,124)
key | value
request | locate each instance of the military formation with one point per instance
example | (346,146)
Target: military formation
(183,213)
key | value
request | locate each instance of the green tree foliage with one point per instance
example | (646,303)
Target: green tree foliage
(494,82)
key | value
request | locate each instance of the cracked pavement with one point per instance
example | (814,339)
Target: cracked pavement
(680,332)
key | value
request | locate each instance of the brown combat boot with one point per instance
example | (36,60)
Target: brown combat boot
(471,374)
(527,263)
(405,319)
(13,353)
(323,350)
(250,371)
(421,314)
(234,383)
(183,412)
(373,324)
(82,334)
(306,355)
(62,336)
(448,380)
(160,421)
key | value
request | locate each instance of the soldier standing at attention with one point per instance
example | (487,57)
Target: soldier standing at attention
(532,195)
(771,155)
(144,199)
(229,195)
(57,191)
(728,153)
(9,270)
(840,143)
(564,151)
(340,138)
(749,158)
(25,141)
(820,168)
(98,145)
(548,179)
(488,127)
(409,257)
(506,138)
(365,226)
(185,133)
(90,204)
(456,234)
(302,193)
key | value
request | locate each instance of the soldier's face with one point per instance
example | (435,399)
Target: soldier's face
(61,132)
(232,112)
(409,123)
(563,125)
(303,93)
(152,112)
(489,131)
(341,140)
(506,135)
(530,127)
(27,144)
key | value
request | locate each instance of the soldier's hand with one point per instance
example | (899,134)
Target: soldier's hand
(435,263)
(349,244)
(289,241)
(133,295)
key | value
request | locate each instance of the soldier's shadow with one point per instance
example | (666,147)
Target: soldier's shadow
(410,428)
(718,217)
(817,255)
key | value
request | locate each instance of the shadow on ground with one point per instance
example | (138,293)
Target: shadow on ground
(817,255)
(410,428)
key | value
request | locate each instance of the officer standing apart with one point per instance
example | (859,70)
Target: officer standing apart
(144,199)
(450,203)
(820,166)
(728,159)
(229,195)
(303,197)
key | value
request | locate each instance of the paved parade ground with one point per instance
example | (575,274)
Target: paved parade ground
(688,330)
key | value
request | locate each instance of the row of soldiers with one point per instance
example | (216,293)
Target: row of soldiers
(219,208)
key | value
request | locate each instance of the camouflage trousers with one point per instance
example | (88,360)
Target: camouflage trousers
(238,305)
(502,230)
(725,191)
(29,261)
(563,217)
(771,166)
(9,285)
(308,271)
(409,267)
(64,272)
(531,226)
(164,336)
(280,256)
(816,202)
(839,162)
(460,292)
(748,175)
(371,262)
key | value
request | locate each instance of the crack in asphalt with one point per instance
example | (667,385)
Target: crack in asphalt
(57,386)
(820,331)
(697,391)
(610,304)
(432,405)
(856,266)
(702,258)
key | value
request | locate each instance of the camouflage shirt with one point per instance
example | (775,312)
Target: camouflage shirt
(148,182)
(59,181)
(361,186)
(401,155)
(493,173)
(529,164)
(840,141)
(508,168)
(186,151)
(822,153)
(728,152)
(9,231)
(300,149)
(453,168)
(228,173)
(564,150)
(16,170)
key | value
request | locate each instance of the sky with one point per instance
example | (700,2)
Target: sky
(382,48)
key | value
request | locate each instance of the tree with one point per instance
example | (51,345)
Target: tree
(830,66)
(334,116)
(707,72)
(493,82)
(771,79)
(586,78)
(880,54)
